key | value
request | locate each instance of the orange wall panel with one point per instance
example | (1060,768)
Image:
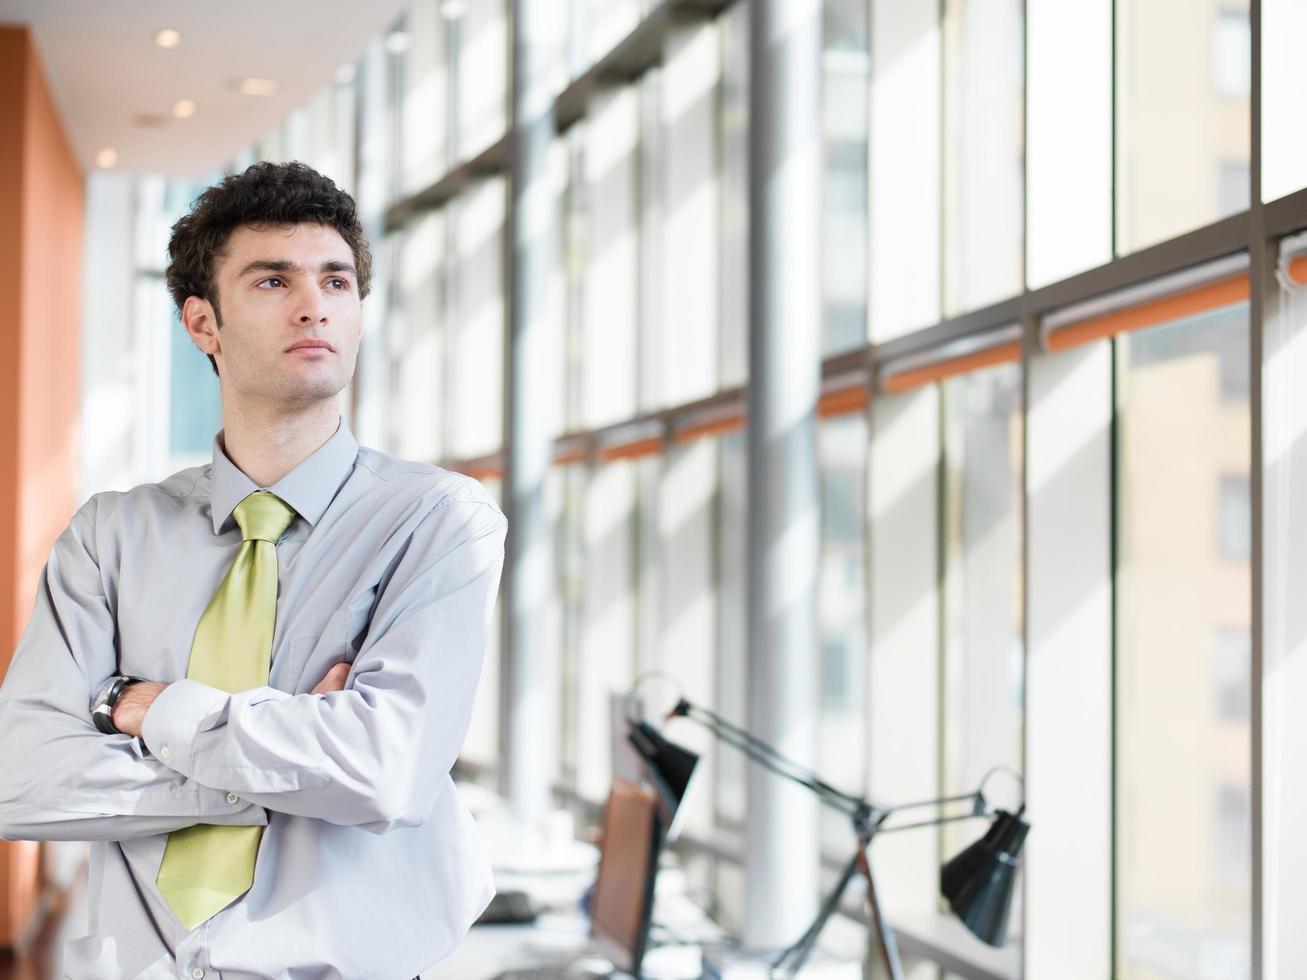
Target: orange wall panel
(41,245)
(53,219)
(13,71)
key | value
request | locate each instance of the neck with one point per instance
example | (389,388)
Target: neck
(267,443)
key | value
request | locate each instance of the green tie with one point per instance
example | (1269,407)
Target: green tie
(206,867)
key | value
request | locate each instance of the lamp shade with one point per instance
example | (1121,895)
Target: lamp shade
(978,882)
(670,769)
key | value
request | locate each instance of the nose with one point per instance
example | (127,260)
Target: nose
(310,307)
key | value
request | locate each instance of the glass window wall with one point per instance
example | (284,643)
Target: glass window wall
(1183,115)
(1183,862)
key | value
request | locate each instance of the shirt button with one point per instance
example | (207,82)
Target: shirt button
(197,973)
(165,751)
(233,798)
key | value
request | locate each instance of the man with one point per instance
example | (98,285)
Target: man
(247,684)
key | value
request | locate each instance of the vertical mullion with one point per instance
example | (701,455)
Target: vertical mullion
(1113,496)
(1260,252)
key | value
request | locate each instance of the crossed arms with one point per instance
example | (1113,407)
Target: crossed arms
(369,755)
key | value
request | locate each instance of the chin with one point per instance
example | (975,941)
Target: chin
(313,390)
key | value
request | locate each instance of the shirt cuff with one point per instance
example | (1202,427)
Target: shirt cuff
(174,719)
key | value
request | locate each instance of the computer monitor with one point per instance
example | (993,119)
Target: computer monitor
(628,864)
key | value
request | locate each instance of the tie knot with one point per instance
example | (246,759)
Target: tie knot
(263,516)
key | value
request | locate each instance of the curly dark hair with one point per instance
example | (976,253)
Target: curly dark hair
(264,194)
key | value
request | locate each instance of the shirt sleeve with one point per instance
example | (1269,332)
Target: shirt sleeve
(373,755)
(63,779)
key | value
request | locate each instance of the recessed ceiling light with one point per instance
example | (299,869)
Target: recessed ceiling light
(345,74)
(453,9)
(397,42)
(255,86)
(168,38)
(107,158)
(184,108)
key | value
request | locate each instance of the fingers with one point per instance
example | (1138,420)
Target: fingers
(334,680)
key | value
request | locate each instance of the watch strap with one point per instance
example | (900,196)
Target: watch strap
(103,716)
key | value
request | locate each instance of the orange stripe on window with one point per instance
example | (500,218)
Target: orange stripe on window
(632,450)
(570,457)
(716,427)
(1001,354)
(843,401)
(1298,270)
(1177,306)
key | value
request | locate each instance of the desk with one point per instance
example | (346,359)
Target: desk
(560,936)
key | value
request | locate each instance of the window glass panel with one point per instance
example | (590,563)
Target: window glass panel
(1069,138)
(194,399)
(654,344)
(1184,610)
(903,476)
(612,249)
(573,254)
(373,385)
(424,102)
(329,130)
(845,75)
(1284,137)
(394,59)
(196,403)
(842,618)
(690,218)
(481,43)
(295,135)
(734,121)
(984,152)
(687,600)
(477,341)
(607,22)
(1182,116)
(417,338)
(905,167)
(607,651)
(570,556)
(984,676)
(732,625)
(1283,810)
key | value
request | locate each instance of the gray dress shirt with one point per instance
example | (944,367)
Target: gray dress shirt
(370,866)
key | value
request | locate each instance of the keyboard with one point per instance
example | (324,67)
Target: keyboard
(509,908)
(551,973)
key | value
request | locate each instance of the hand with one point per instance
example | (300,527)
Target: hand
(133,703)
(334,680)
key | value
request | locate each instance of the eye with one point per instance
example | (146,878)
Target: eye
(338,283)
(272,281)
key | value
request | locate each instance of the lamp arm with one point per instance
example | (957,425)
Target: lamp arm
(975,796)
(780,766)
(767,757)
(932,822)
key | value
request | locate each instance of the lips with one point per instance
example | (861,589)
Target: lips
(311,345)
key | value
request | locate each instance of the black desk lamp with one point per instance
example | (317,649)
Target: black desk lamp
(977,883)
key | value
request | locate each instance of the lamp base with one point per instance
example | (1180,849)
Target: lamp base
(729,963)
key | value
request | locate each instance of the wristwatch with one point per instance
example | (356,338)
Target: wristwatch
(106,698)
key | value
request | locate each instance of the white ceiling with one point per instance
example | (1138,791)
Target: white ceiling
(104,69)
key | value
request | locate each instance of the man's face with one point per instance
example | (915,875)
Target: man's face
(278,288)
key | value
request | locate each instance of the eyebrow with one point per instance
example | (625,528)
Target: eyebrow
(285,265)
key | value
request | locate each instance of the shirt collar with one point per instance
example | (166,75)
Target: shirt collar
(309,487)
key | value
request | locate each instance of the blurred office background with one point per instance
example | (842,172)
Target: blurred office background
(1055,401)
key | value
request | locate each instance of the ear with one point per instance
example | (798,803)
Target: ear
(201,324)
